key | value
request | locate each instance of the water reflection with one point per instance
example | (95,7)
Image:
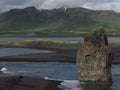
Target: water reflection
(20,51)
(91,86)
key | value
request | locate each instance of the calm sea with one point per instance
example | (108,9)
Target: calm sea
(67,72)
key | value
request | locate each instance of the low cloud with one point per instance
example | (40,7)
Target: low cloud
(103,6)
(50,4)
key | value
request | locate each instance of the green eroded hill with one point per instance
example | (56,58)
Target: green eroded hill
(57,22)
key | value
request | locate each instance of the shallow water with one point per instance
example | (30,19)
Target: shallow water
(59,71)
(20,51)
(54,70)
(17,39)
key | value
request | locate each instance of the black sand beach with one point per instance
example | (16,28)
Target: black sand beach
(64,53)
(17,82)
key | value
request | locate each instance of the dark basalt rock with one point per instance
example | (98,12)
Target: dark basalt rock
(98,38)
(94,59)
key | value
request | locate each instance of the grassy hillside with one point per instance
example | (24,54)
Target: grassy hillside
(57,22)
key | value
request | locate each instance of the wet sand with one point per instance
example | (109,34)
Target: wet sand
(17,82)
(64,53)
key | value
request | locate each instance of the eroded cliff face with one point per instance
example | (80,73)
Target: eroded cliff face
(94,59)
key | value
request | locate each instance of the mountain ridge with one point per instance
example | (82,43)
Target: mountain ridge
(62,21)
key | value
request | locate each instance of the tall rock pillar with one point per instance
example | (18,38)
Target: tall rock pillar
(94,59)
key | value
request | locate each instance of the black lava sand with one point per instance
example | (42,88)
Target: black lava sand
(11,82)
(65,53)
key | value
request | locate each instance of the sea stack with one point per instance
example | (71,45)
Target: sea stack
(94,59)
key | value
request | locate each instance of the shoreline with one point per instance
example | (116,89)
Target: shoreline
(64,53)
(18,82)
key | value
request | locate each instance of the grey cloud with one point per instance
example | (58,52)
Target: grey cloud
(13,2)
(50,4)
(98,1)
(107,5)
(10,4)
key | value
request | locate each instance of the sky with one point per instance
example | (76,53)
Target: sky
(6,5)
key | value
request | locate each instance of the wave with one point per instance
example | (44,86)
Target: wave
(70,85)
(5,70)
(67,84)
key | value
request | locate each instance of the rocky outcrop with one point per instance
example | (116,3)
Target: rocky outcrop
(94,59)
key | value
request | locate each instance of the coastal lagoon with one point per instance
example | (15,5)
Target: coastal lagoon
(66,72)
(20,51)
(18,39)
(63,71)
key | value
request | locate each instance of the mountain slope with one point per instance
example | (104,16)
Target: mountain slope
(71,21)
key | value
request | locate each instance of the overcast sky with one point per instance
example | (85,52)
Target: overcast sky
(50,4)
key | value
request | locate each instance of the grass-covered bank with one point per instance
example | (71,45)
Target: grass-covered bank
(45,42)
(63,52)
(37,43)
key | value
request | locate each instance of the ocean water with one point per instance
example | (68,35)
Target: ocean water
(54,70)
(65,72)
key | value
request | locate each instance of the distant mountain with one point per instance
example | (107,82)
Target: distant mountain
(62,21)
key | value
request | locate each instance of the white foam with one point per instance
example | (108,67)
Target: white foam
(67,84)
(3,69)
(47,78)
(70,85)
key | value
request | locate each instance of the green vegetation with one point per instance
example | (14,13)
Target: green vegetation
(114,41)
(6,43)
(37,43)
(44,42)
(57,22)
